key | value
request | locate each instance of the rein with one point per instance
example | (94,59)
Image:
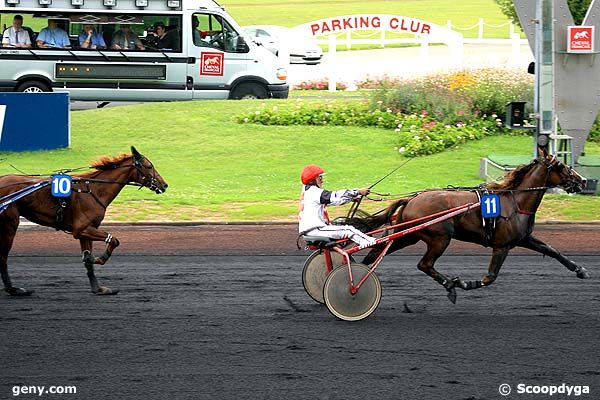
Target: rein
(453,189)
(137,164)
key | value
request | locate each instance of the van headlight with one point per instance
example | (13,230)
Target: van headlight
(281,74)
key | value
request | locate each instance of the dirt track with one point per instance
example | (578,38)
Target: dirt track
(219,312)
(257,239)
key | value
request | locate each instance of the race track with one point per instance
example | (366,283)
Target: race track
(212,323)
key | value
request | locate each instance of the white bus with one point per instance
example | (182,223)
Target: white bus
(133,50)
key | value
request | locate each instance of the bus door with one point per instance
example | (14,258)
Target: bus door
(220,55)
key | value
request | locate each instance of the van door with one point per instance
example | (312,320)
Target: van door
(220,56)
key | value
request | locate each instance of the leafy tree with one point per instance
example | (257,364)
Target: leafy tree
(578,9)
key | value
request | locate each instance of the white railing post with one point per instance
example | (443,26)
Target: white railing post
(480,33)
(332,63)
(383,37)
(457,52)
(449,24)
(424,53)
(515,58)
(511,30)
(348,40)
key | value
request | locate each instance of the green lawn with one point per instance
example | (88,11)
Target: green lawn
(220,170)
(463,14)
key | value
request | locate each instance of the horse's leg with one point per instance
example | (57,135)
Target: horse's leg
(93,234)
(111,244)
(435,248)
(535,244)
(498,257)
(88,261)
(9,229)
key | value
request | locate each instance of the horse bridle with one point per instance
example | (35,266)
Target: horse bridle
(556,165)
(149,180)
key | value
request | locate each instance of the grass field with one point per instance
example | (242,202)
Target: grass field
(218,169)
(463,14)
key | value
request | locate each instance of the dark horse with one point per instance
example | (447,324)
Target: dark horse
(521,192)
(81,215)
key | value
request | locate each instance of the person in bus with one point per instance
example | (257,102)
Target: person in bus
(90,39)
(314,220)
(164,40)
(52,37)
(200,35)
(124,39)
(16,36)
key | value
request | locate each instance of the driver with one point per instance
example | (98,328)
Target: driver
(313,214)
(200,36)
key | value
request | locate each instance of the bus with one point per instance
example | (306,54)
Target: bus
(133,50)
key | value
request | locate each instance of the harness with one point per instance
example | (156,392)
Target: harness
(489,224)
(60,213)
(148,180)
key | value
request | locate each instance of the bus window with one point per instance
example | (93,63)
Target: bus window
(16,30)
(163,37)
(212,31)
(54,35)
(88,36)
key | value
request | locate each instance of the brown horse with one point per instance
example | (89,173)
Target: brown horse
(81,214)
(521,192)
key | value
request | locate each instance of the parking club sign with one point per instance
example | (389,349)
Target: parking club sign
(581,39)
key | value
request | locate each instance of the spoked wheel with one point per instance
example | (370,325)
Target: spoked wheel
(348,306)
(315,273)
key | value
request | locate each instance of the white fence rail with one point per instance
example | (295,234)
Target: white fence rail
(370,29)
(380,38)
(455,59)
(480,28)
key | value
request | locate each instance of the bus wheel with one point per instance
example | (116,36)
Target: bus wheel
(246,91)
(33,87)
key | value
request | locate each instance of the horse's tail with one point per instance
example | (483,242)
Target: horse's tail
(379,219)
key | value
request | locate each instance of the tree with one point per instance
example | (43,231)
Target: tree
(578,10)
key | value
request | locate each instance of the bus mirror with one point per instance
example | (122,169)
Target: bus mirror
(242,46)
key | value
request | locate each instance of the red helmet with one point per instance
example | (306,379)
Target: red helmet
(310,173)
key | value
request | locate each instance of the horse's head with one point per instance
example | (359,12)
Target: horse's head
(146,175)
(562,175)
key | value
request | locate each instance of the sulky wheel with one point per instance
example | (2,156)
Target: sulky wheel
(348,306)
(315,273)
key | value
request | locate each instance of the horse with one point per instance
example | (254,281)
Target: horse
(520,192)
(81,214)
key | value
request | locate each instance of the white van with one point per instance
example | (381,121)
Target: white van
(133,50)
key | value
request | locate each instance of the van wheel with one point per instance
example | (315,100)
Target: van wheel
(247,91)
(33,87)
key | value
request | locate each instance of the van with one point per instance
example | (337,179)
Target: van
(133,50)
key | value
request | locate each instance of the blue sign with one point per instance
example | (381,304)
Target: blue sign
(34,121)
(490,206)
(61,185)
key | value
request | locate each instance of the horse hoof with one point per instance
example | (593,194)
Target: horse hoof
(15,291)
(106,291)
(583,274)
(452,295)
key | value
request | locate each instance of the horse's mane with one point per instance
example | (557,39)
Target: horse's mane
(512,179)
(105,162)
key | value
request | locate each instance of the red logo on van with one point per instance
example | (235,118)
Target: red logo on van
(581,39)
(211,64)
